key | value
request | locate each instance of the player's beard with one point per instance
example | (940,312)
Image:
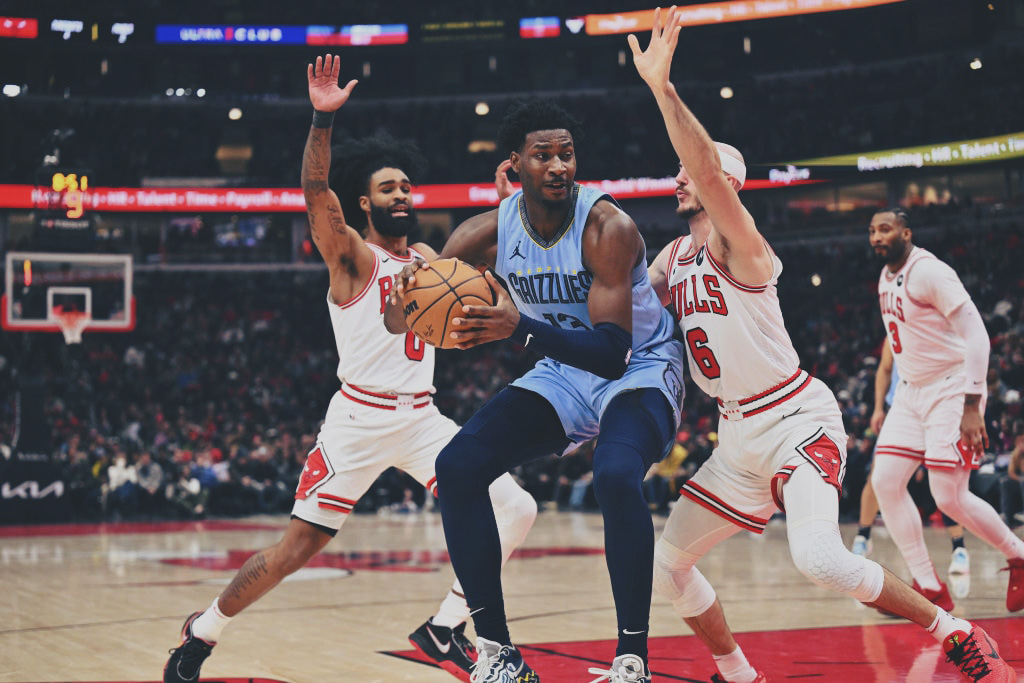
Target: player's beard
(891,253)
(688,212)
(392,226)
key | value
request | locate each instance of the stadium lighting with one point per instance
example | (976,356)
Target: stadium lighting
(179,92)
(200,92)
(12,90)
(816,280)
(726,93)
(234,113)
(976,63)
(482,109)
(170,92)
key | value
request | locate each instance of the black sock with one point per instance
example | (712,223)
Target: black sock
(864,531)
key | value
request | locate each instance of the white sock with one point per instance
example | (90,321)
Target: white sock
(453,610)
(928,580)
(210,623)
(734,667)
(946,624)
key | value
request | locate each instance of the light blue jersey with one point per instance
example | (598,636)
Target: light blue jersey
(548,282)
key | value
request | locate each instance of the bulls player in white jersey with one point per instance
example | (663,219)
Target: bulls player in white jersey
(781,435)
(383,415)
(937,419)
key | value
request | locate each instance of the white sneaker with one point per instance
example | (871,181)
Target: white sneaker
(861,546)
(961,562)
(960,585)
(625,669)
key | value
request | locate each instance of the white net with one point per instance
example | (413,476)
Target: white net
(72,324)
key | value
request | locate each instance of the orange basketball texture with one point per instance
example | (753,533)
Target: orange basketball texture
(438,296)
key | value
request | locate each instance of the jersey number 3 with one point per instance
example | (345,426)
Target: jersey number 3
(894,336)
(703,356)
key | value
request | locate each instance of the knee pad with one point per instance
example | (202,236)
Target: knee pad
(820,555)
(676,578)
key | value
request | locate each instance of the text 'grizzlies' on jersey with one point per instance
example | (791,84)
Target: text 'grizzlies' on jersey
(548,280)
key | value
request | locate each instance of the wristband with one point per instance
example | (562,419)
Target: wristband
(323,119)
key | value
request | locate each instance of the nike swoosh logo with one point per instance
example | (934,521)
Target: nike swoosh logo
(443,648)
(478,609)
(631,633)
(528,338)
(385,259)
(992,649)
(793,413)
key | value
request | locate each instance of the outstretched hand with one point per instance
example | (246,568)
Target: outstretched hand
(324,92)
(501,182)
(655,63)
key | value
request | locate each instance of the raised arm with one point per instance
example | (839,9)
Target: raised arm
(735,238)
(349,261)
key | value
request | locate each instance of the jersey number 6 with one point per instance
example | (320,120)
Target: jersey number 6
(697,340)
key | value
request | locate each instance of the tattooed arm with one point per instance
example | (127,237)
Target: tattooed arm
(349,261)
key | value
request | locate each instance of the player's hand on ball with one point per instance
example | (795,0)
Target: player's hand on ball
(406,279)
(482,324)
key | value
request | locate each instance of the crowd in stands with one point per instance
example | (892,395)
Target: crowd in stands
(773,119)
(209,406)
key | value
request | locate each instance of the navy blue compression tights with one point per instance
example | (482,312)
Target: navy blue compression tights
(517,426)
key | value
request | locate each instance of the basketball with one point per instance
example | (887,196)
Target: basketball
(439,295)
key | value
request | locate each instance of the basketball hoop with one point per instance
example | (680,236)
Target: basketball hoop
(72,323)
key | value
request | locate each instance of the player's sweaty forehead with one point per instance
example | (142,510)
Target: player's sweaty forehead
(558,138)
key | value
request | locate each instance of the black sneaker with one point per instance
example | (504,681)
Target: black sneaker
(447,647)
(186,659)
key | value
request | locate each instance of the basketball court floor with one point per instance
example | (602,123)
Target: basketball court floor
(106,602)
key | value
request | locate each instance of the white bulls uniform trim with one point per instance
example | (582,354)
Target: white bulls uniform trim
(775,416)
(923,423)
(383,416)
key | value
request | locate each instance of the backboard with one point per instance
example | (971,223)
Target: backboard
(39,284)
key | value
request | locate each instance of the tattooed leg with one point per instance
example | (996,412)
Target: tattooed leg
(265,569)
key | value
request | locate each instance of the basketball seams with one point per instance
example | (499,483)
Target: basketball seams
(463,288)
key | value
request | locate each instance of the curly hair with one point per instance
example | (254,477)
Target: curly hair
(525,117)
(353,162)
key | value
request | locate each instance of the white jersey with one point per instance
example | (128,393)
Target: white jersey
(915,303)
(370,357)
(736,339)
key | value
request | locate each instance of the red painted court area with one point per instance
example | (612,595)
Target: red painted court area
(888,653)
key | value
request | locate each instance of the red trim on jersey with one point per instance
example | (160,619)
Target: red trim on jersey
(432,485)
(900,452)
(336,503)
(337,499)
(390,401)
(754,289)
(708,500)
(781,399)
(790,387)
(366,287)
(392,397)
(764,393)
(779,480)
(413,254)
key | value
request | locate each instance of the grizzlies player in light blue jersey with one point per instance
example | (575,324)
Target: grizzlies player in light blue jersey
(578,292)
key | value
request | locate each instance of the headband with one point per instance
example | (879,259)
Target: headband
(734,167)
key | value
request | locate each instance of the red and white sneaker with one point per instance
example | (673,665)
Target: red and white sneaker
(940,597)
(975,655)
(1015,589)
(761,678)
